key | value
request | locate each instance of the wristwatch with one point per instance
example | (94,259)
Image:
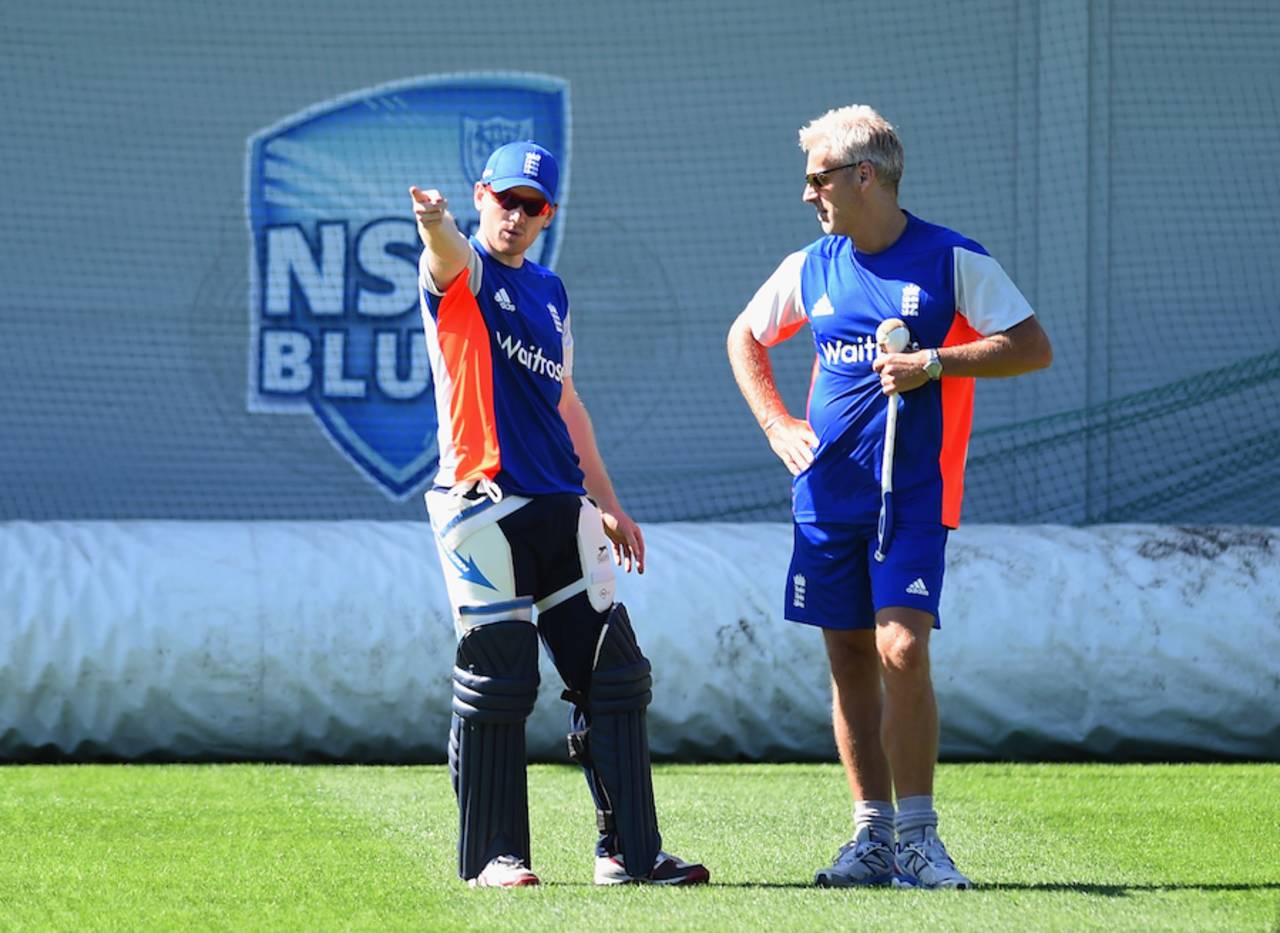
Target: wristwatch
(933,368)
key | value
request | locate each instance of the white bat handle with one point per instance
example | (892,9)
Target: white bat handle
(890,435)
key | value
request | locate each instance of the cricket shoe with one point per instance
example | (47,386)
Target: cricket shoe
(667,869)
(924,863)
(861,862)
(505,871)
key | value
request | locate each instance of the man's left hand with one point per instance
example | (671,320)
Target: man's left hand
(628,540)
(901,372)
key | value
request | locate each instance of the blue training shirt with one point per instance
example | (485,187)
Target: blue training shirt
(947,290)
(500,347)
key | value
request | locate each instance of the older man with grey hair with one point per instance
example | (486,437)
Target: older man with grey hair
(871,514)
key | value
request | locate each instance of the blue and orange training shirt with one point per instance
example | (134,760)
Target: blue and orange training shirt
(948,291)
(500,348)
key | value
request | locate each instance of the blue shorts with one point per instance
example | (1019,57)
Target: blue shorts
(836,582)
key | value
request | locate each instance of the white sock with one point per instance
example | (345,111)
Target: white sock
(915,815)
(875,817)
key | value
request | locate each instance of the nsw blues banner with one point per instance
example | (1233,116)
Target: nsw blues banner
(334,326)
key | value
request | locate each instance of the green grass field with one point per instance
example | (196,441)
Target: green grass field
(1068,847)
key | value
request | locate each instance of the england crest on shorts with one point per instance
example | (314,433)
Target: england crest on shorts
(334,325)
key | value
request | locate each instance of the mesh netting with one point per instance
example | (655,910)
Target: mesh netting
(1118,159)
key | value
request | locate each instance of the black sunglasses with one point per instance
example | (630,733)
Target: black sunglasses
(820,179)
(509,201)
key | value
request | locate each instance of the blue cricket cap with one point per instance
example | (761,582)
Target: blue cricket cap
(522,163)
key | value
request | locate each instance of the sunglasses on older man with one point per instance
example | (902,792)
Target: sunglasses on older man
(820,179)
(509,201)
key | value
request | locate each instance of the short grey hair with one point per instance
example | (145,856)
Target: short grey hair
(857,134)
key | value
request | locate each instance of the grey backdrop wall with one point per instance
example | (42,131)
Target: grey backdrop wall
(1118,158)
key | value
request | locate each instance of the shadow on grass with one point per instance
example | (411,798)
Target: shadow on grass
(1123,890)
(1101,890)
(761,885)
(1098,890)
(766,885)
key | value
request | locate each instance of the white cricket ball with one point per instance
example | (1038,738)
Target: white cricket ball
(892,336)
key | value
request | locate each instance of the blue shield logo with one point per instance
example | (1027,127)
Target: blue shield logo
(334,327)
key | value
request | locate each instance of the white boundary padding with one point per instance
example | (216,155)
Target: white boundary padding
(310,640)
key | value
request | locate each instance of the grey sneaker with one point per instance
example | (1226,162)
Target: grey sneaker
(924,863)
(861,861)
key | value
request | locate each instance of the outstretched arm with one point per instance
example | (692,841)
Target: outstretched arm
(628,540)
(791,438)
(447,250)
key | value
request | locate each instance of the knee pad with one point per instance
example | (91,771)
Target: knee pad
(614,748)
(495,685)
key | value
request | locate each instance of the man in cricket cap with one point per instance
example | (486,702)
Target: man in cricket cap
(528,527)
